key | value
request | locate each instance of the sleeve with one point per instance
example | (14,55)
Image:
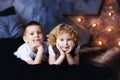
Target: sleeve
(77,49)
(23,54)
(45,47)
(51,51)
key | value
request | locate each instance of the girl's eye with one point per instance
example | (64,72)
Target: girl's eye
(69,39)
(61,39)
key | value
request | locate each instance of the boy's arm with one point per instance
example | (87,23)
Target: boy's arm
(38,58)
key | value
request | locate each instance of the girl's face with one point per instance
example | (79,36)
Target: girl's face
(65,41)
(34,33)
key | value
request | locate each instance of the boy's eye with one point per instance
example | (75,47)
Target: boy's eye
(31,33)
(39,32)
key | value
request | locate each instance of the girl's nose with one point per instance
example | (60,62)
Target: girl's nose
(65,42)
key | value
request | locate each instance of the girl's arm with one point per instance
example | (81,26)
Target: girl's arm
(73,60)
(53,60)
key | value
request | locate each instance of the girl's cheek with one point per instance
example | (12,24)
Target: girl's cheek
(72,43)
(58,42)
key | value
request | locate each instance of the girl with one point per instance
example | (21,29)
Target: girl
(63,45)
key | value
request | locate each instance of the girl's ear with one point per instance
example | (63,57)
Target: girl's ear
(25,39)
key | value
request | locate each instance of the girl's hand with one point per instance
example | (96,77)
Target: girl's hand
(59,48)
(70,48)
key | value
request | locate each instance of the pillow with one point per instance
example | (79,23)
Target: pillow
(10,26)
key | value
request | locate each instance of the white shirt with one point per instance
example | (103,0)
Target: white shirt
(25,53)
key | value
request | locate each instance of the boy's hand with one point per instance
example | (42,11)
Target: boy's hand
(34,46)
(40,48)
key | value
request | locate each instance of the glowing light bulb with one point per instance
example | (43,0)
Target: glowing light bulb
(100,43)
(109,30)
(79,19)
(110,14)
(118,43)
(94,24)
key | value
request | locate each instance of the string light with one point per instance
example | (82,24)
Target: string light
(119,43)
(94,25)
(110,14)
(105,27)
(100,43)
(110,30)
(80,19)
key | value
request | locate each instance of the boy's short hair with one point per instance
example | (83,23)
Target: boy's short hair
(30,24)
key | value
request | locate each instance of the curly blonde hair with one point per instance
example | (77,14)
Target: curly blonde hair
(60,29)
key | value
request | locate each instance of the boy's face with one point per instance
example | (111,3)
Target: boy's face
(33,33)
(65,41)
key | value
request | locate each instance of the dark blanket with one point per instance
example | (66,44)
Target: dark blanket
(12,68)
(47,72)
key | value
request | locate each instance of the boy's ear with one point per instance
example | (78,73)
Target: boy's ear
(25,39)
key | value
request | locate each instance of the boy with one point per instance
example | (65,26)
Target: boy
(34,48)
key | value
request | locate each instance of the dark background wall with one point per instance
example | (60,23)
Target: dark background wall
(48,12)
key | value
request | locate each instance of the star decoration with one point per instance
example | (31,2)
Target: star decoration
(104,27)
